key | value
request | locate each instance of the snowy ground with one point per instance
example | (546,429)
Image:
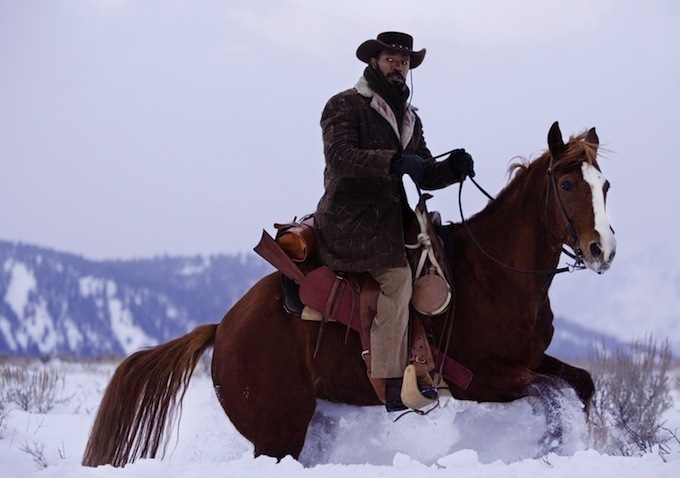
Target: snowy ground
(461,438)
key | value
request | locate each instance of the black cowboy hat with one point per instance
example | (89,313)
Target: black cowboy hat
(401,42)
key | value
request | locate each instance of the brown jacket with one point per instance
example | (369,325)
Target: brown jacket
(359,221)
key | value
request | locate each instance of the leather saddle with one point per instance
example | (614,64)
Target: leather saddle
(318,293)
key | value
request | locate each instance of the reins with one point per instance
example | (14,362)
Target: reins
(577,256)
(447,330)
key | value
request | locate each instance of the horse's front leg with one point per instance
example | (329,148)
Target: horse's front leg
(580,380)
(547,390)
(501,381)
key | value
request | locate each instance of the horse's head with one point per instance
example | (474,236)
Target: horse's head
(579,194)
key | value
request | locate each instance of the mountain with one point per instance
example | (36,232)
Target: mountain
(638,297)
(54,303)
(574,342)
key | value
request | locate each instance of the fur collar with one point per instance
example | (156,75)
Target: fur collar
(405,133)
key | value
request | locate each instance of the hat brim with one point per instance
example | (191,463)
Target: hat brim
(370,48)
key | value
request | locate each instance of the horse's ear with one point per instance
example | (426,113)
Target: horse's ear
(555,142)
(591,137)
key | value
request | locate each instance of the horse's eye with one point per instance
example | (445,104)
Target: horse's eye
(566,185)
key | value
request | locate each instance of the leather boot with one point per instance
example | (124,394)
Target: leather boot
(393,401)
(428,391)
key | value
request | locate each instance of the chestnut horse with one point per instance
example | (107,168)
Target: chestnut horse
(268,381)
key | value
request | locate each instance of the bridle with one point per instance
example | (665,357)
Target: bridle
(576,255)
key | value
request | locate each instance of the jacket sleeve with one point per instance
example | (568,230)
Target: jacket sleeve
(438,174)
(341,126)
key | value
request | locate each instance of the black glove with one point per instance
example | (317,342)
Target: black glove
(410,164)
(461,163)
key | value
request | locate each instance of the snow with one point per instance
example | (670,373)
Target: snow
(459,438)
(21,283)
(192,269)
(7,333)
(130,336)
(73,335)
(37,325)
(90,286)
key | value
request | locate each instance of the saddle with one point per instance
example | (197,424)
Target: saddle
(314,292)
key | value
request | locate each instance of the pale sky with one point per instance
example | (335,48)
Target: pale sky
(140,128)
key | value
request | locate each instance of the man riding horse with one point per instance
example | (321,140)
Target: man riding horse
(372,136)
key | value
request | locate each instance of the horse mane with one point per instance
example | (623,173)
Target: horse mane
(522,170)
(578,150)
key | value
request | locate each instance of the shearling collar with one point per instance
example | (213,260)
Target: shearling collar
(384,110)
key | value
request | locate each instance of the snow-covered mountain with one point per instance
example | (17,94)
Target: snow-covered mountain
(53,303)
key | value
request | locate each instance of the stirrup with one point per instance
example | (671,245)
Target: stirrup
(410,392)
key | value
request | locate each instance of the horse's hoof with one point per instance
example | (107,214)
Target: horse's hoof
(551,444)
(429,392)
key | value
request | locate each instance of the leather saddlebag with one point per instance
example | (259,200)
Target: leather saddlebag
(297,238)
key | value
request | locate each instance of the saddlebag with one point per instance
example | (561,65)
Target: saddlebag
(297,238)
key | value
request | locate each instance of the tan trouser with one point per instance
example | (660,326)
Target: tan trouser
(389,332)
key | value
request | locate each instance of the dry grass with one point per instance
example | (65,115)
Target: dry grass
(632,394)
(32,389)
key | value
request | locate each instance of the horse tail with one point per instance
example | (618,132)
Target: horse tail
(140,402)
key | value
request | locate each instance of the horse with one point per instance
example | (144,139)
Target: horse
(268,375)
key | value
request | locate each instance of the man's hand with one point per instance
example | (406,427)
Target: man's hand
(410,164)
(461,163)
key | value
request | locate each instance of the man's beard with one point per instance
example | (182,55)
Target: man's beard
(394,92)
(395,79)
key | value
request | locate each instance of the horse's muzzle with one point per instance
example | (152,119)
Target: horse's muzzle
(600,254)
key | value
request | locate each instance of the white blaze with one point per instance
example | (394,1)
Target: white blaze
(596,181)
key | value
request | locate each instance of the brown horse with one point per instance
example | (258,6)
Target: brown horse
(268,381)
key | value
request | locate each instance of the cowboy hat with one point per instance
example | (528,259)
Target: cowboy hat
(401,42)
